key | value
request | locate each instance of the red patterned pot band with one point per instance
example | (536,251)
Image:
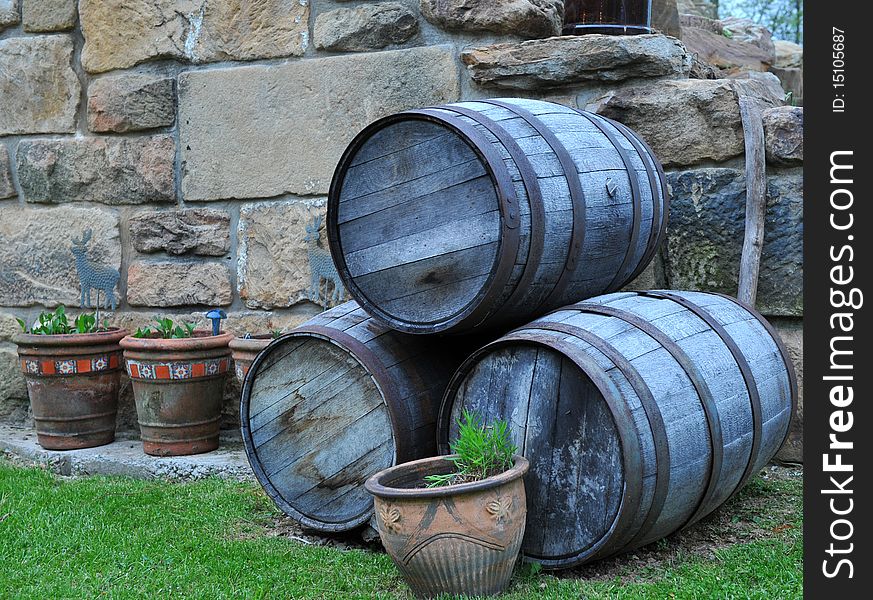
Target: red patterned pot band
(70,366)
(177,370)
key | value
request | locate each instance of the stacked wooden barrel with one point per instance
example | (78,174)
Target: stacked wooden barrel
(491,212)
(334,401)
(639,412)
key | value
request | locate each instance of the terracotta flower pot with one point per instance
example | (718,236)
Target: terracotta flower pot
(244,351)
(72,382)
(458,539)
(178,385)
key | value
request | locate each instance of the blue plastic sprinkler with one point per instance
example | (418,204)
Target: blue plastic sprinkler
(216,315)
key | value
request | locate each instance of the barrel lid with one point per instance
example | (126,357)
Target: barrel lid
(563,425)
(423,221)
(315,426)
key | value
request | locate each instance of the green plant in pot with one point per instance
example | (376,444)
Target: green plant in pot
(454,524)
(72,372)
(178,375)
(246,347)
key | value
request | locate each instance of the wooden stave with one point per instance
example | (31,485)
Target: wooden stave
(413,434)
(503,305)
(540,326)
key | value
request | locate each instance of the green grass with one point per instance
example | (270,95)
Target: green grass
(104,537)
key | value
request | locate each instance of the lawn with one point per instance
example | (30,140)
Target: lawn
(102,537)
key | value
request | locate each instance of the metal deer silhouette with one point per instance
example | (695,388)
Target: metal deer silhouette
(321,265)
(93,276)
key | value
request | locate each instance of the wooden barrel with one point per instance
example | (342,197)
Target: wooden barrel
(640,413)
(335,401)
(491,212)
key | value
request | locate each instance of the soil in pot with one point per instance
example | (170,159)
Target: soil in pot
(178,386)
(457,539)
(73,383)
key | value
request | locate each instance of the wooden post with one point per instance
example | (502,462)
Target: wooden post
(756,200)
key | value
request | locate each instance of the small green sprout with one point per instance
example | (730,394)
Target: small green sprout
(479,452)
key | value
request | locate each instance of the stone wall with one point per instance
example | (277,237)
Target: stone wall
(197,139)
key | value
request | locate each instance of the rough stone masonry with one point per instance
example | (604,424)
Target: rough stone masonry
(197,139)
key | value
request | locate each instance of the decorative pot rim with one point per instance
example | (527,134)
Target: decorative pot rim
(253,343)
(201,340)
(113,335)
(375,484)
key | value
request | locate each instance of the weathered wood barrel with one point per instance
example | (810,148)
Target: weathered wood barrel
(640,413)
(491,212)
(335,401)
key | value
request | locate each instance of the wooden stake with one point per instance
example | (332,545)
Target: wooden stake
(756,200)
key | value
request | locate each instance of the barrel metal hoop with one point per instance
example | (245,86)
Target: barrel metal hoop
(509,213)
(745,369)
(654,187)
(786,357)
(630,456)
(703,392)
(534,197)
(385,386)
(653,415)
(636,199)
(478,308)
(577,197)
(665,192)
(629,443)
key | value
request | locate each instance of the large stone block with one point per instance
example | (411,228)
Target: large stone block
(689,121)
(8,326)
(39,88)
(783,135)
(14,406)
(788,55)
(35,251)
(262,322)
(791,332)
(262,131)
(732,45)
(275,260)
(255,322)
(524,18)
(110,170)
(200,231)
(792,82)
(705,236)
(366,27)
(7,190)
(563,61)
(131,102)
(9,14)
(122,33)
(48,15)
(703,8)
(246,30)
(167,283)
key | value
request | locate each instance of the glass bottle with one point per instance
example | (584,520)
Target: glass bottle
(612,17)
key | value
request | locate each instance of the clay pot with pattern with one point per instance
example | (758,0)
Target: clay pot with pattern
(459,539)
(244,350)
(178,386)
(72,382)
